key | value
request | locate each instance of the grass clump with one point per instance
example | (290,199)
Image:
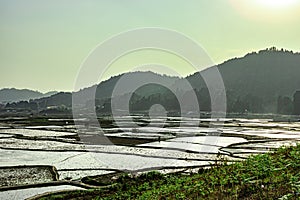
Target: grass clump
(266,176)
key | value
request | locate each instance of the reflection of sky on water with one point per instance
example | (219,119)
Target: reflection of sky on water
(185,146)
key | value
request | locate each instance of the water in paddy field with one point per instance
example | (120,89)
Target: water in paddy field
(160,144)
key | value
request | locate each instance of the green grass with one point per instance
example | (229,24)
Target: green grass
(266,176)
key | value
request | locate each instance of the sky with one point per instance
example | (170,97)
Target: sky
(45,42)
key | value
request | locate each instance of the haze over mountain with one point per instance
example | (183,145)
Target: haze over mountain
(254,83)
(13,94)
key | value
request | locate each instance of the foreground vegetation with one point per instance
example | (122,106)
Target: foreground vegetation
(267,176)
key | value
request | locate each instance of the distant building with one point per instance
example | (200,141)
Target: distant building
(297,103)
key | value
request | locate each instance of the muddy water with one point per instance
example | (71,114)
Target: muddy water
(178,142)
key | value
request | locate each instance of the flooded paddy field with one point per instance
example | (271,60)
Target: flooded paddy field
(58,154)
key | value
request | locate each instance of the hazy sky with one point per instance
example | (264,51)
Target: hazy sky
(44,42)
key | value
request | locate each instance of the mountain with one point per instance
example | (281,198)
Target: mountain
(14,95)
(259,78)
(128,81)
(266,74)
(259,82)
(48,94)
(102,92)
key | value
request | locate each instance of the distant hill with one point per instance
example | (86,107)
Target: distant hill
(259,82)
(105,88)
(61,99)
(15,95)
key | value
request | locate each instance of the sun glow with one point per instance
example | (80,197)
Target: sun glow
(270,11)
(277,3)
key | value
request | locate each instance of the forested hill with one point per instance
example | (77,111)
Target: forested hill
(266,74)
(260,82)
(257,80)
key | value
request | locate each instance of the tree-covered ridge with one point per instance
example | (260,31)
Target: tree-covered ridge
(260,82)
